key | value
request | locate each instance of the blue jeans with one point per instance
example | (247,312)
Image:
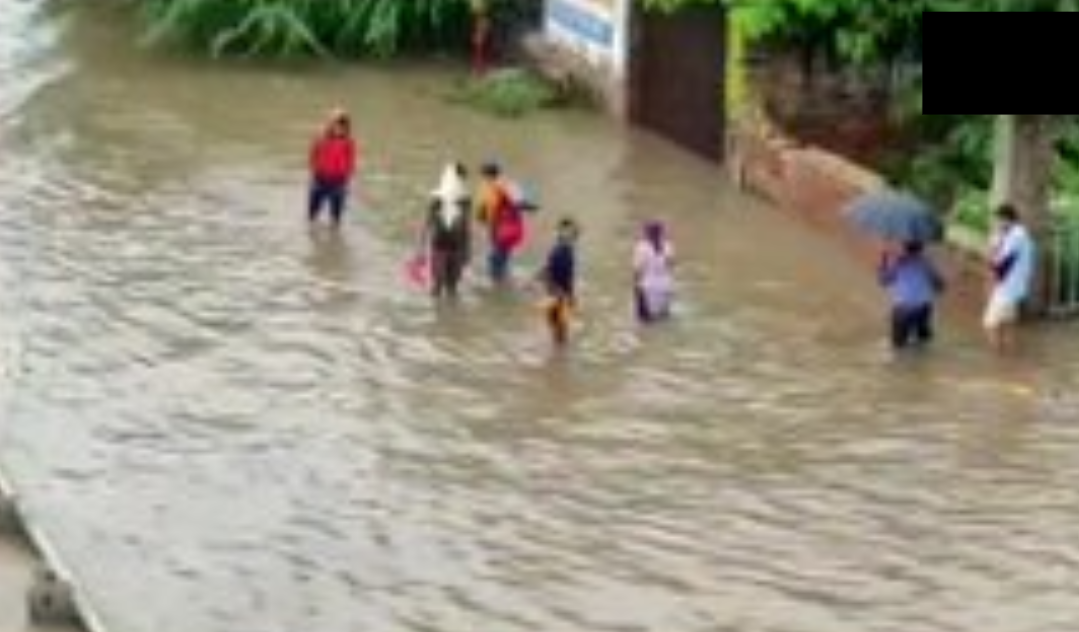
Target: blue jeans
(326,192)
(498,264)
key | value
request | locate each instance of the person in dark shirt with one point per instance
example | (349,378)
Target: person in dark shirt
(559,277)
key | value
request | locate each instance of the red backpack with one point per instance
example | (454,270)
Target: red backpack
(509,233)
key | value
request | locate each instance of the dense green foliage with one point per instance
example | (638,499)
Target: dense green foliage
(952,165)
(862,31)
(345,28)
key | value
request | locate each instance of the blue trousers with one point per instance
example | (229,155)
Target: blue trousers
(498,264)
(327,193)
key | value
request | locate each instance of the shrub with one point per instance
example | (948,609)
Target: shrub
(509,93)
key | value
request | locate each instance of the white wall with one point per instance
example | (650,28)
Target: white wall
(598,30)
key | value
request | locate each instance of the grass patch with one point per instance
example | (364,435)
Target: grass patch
(511,93)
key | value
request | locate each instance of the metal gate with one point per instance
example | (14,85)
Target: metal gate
(677,77)
(1062,268)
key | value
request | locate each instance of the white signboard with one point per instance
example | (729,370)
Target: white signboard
(594,28)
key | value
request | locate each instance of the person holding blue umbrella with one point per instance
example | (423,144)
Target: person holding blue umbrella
(913,283)
(907,273)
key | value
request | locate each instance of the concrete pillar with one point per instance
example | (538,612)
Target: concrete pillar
(9,514)
(51,600)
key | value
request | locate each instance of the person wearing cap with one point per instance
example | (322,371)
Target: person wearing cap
(333,159)
(504,219)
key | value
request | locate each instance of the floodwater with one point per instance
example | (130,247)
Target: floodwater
(229,424)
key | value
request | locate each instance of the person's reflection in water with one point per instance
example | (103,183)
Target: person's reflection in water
(330,263)
(330,255)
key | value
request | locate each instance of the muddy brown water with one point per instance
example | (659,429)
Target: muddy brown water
(230,424)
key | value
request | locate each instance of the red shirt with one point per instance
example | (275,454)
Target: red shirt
(333,158)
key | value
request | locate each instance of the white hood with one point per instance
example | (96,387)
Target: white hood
(451,192)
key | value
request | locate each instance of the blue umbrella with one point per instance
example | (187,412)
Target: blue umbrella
(895,217)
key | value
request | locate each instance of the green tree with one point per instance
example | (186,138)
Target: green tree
(859,31)
(344,28)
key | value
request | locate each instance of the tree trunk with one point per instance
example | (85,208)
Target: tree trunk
(1024,165)
(1023,170)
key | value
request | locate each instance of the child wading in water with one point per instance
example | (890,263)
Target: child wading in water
(653,273)
(559,277)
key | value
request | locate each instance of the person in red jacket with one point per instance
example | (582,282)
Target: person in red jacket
(333,163)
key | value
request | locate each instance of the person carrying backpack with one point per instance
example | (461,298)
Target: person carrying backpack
(504,217)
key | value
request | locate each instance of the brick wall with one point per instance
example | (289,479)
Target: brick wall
(816,186)
(844,112)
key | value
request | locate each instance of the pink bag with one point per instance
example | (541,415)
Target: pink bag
(418,270)
(511,232)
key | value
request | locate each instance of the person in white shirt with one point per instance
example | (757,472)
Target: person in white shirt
(653,273)
(1013,265)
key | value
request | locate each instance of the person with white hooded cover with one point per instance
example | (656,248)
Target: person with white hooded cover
(447,233)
